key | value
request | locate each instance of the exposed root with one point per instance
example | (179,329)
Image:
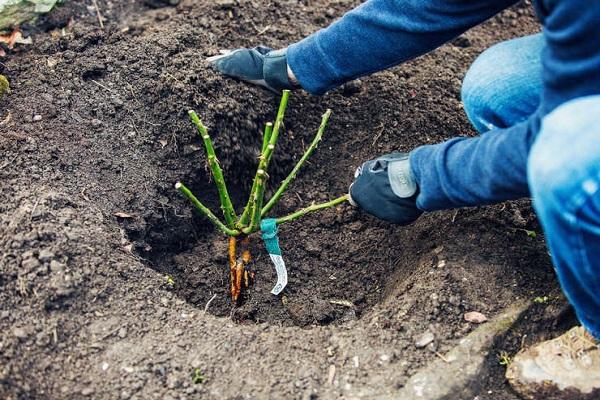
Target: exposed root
(232,266)
(240,277)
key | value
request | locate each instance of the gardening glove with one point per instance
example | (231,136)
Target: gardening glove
(261,66)
(386,188)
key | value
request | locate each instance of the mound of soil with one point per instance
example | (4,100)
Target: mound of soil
(93,138)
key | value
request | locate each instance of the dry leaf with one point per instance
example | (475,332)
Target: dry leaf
(52,62)
(6,120)
(475,317)
(121,214)
(15,38)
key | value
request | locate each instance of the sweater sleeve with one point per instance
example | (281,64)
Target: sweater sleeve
(382,33)
(493,167)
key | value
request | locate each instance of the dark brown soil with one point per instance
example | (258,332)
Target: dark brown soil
(86,309)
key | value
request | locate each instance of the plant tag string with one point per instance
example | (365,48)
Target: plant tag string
(268,227)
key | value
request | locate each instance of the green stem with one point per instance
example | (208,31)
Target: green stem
(246,215)
(292,175)
(217,173)
(257,191)
(278,122)
(267,136)
(205,210)
(259,195)
(312,208)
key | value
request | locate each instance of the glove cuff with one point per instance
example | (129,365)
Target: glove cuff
(275,70)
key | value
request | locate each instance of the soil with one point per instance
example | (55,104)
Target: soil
(96,124)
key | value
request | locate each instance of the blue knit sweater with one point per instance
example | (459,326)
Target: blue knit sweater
(463,171)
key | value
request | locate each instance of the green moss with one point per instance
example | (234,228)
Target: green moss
(4,86)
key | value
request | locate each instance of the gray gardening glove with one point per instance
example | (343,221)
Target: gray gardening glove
(261,66)
(386,188)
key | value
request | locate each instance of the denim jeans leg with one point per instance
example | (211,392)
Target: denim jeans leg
(564,178)
(503,86)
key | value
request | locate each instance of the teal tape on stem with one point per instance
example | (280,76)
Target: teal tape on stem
(268,227)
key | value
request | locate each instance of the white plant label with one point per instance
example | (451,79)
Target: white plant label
(282,277)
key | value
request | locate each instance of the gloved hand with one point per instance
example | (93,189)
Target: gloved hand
(386,188)
(260,66)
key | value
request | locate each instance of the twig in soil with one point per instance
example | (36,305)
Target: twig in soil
(98,13)
(102,86)
(260,31)
(455,215)
(84,195)
(381,128)
(238,229)
(344,303)
(37,201)
(208,303)
(444,359)
(170,75)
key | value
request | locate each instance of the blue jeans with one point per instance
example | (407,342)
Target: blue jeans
(502,88)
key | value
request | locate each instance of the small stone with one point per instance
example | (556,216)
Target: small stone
(87,391)
(454,300)
(160,370)
(462,41)
(227,4)
(37,118)
(312,248)
(475,317)
(432,347)
(122,333)
(56,266)
(72,235)
(352,88)
(96,123)
(42,339)
(20,333)
(45,255)
(29,264)
(355,226)
(424,339)
(173,382)
(117,102)
(128,369)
